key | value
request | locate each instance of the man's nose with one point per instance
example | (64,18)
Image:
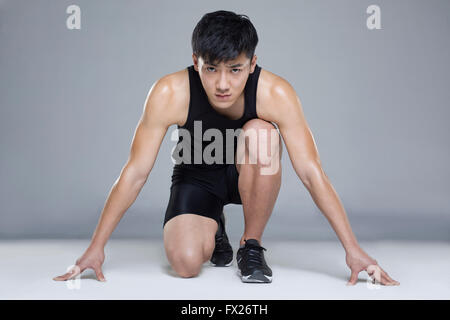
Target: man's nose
(223,83)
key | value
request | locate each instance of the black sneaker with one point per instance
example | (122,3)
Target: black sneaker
(223,252)
(251,263)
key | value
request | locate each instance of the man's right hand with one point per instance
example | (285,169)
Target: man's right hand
(91,259)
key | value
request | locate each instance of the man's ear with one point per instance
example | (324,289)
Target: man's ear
(253,63)
(195,61)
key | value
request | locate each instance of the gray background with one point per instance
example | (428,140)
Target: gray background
(375,100)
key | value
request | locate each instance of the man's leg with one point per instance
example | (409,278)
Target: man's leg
(258,191)
(189,241)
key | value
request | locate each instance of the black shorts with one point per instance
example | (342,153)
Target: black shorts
(202,191)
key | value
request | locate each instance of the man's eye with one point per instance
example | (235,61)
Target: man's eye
(235,70)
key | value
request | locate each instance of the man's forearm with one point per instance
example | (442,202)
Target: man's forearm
(122,195)
(327,200)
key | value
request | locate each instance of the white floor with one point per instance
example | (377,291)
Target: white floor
(138,269)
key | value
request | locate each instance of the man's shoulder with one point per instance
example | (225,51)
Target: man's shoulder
(271,87)
(175,86)
(177,79)
(177,83)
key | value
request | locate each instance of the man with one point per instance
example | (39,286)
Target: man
(223,90)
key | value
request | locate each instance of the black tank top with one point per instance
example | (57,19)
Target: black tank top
(204,149)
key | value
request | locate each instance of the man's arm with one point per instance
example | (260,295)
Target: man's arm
(305,159)
(149,134)
(158,115)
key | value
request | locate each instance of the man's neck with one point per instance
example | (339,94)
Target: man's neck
(235,111)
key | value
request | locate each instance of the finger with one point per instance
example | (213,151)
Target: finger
(68,275)
(61,277)
(99,274)
(64,277)
(382,278)
(389,281)
(353,278)
(386,279)
(392,281)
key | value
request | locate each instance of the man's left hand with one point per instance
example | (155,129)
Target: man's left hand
(357,260)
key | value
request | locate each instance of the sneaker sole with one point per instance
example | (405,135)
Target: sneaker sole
(221,265)
(256,277)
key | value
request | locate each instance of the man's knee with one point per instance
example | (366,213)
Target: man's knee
(189,242)
(186,262)
(262,142)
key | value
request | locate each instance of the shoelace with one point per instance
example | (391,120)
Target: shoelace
(254,254)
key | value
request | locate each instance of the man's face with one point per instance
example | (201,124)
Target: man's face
(227,78)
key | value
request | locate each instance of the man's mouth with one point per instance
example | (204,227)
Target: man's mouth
(223,96)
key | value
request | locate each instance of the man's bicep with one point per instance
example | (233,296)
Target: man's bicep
(297,135)
(150,131)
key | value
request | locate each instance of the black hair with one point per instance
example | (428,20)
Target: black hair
(223,35)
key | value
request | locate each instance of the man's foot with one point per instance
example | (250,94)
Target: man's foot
(251,263)
(223,252)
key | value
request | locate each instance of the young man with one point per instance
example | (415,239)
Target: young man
(223,90)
